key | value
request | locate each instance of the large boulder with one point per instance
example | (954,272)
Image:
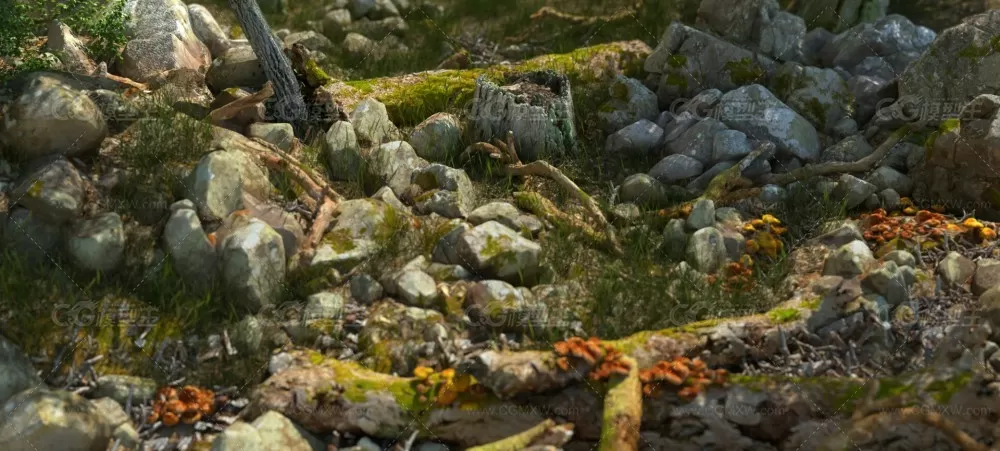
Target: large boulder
(689,61)
(39,418)
(160,39)
(49,117)
(756,112)
(16,372)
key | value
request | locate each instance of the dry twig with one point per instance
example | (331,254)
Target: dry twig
(232,109)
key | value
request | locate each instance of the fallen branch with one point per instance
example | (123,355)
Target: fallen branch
(323,200)
(838,167)
(871,415)
(505,152)
(548,12)
(232,109)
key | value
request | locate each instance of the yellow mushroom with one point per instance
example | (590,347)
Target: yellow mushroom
(770,219)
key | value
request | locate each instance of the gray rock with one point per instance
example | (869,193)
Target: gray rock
(439,176)
(735,242)
(844,127)
(72,53)
(323,305)
(365,289)
(53,189)
(889,282)
(698,142)
(448,204)
(867,96)
(631,101)
(677,125)
(758,113)
(161,39)
(48,117)
(119,387)
(888,178)
(706,250)
(31,238)
(120,423)
(773,194)
(16,371)
(891,200)
(343,155)
(837,234)
(39,418)
(383,32)
(395,163)
(675,168)
(690,61)
(675,238)
(248,333)
(872,202)
(730,145)
(819,95)
(237,67)
(498,252)
(757,163)
(782,37)
(901,258)
(279,134)
(987,275)
(386,195)
(736,20)
(701,182)
(813,43)
(956,269)
(98,243)
(448,273)
(643,189)
(853,190)
(499,305)
(849,260)
(311,40)
(278,432)
(892,37)
(371,123)
(701,105)
(850,149)
(438,138)
(508,215)
(208,31)
(728,216)
(360,8)
(238,436)
(383,9)
(253,265)
(416,288)
(702,215)
(637,139)
(446,249)
(192,254)
(217,183)
(336,24)
(875,66)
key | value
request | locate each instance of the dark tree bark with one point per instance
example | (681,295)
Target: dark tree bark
(289,105)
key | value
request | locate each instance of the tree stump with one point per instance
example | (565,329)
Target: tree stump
(536,106)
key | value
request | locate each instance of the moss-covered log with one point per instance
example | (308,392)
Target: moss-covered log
(412,98)
(323,394)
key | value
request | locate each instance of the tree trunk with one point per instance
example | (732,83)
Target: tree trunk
(289,105)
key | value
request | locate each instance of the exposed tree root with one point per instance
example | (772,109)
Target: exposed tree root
(506,154)
(546,433)
(548,12)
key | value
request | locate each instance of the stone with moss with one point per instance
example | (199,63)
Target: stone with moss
(494,250)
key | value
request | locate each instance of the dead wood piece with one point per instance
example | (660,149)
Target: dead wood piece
(550,12)
(232,109)
(506,153)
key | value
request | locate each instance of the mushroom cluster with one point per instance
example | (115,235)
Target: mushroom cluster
(444,388)
(689,376)
(880,227)
(736,275)
(186,405)
(763,236)
(603,359)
